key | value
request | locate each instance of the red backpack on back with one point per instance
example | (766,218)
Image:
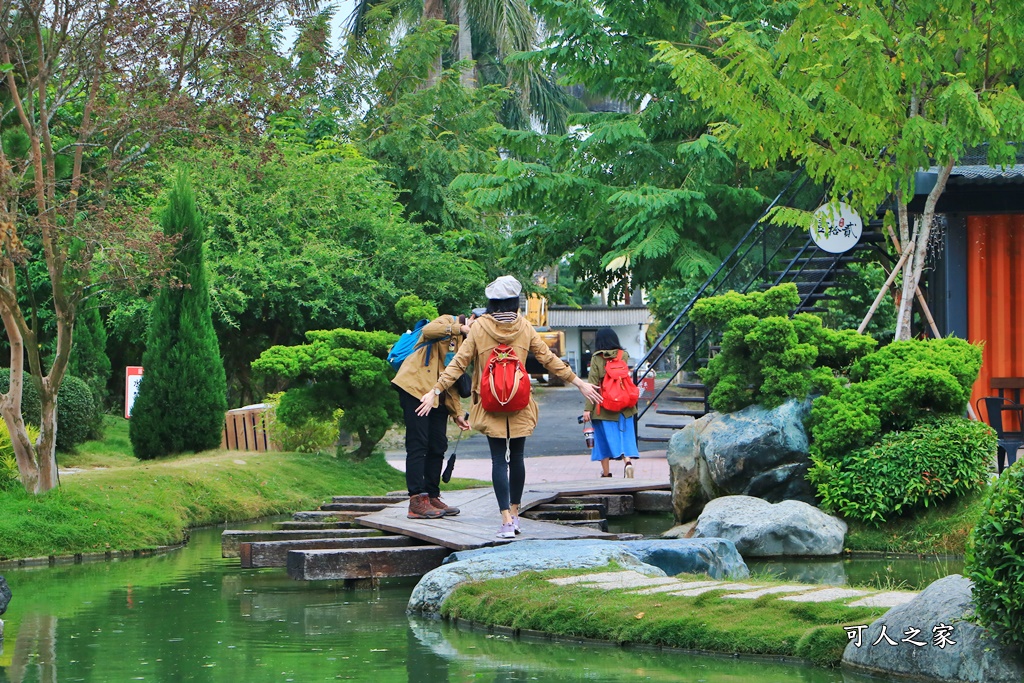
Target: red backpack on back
(504,384)
(618,391)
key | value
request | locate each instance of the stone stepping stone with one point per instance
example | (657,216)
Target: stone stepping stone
(827,595)
(771,590)
(889,599)
(717,587)
(637,581)
(625,579)
(677,586)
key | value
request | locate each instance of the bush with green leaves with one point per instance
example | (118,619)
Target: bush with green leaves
(767,357)
(10,476)
(410,309)
(936,458)
(77,412)
(995,558)
(311,435)
(337,369)
(866,436)
(854,294)
(893,388)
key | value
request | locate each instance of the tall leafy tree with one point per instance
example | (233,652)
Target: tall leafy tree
(634,193)
(183,394)
(91,87)
(485,35)
(865,94)
(311,236)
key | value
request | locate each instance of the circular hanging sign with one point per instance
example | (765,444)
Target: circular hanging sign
(836,228)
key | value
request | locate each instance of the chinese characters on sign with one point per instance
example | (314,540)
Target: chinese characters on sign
(941,636)
(836,228)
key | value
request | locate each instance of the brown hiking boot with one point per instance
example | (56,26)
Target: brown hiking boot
(420,508)
(444,507)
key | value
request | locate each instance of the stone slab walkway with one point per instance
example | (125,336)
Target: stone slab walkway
(635,582)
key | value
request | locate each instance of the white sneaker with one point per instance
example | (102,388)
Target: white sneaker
(506,531)
(628,471)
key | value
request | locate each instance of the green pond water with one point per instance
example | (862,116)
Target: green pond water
(189,615)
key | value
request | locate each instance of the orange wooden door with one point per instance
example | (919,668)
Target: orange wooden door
(995,296)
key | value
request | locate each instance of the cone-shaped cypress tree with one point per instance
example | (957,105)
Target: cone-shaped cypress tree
(182,397)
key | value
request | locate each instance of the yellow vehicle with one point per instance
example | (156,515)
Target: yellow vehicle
(555,339)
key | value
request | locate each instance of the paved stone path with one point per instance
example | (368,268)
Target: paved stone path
(635,582)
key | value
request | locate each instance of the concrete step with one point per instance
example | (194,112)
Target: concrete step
(326,515)
(231,540)
(364,563)
(665,425)
(681,411)
(358,508)
(382,500)
(296,526)
(615,505)
(275,553)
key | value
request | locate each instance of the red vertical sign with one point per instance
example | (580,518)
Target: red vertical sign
(132,377)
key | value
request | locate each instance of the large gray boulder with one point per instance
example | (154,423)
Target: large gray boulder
(763,529)
(967,652)
(753,452)
(5,595)
(716,557)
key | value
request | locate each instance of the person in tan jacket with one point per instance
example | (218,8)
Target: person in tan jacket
(506,432)
(426,439)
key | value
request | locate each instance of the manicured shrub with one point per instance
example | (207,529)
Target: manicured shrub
(310,435)
(76,410)
(995,558)
(337,369)
(919,467)
(894,388)
(767,357)
(183,394)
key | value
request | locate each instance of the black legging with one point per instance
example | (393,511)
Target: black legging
(508,478)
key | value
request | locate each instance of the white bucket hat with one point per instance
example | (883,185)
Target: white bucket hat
(505,287)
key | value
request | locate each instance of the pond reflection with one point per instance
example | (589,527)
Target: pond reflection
(192,616)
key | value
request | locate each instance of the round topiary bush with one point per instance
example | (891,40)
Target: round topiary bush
(76,409)
(995,558)
(936,458)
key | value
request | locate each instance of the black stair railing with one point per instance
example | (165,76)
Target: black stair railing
(748,265)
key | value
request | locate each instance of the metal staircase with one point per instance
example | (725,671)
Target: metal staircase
(767,255)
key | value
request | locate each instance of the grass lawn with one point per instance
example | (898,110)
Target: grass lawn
(763,626)
(116,502)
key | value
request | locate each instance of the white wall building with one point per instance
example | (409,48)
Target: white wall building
(580,324)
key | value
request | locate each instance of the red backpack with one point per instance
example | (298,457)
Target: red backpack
(618,391)
(504,384)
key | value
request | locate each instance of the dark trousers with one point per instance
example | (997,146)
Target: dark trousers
(508,478)
(425,445)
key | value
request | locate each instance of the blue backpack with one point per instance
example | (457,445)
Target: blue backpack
(407,345)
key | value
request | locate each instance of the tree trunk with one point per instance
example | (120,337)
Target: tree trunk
(468,76)
(914,267)
(433,9)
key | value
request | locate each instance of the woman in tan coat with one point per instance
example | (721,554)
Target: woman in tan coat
(506,432)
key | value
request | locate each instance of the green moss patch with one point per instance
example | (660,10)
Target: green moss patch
(763,626)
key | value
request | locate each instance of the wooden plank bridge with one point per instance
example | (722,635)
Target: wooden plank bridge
(364,539)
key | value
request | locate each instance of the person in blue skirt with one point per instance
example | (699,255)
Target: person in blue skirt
(614,432)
